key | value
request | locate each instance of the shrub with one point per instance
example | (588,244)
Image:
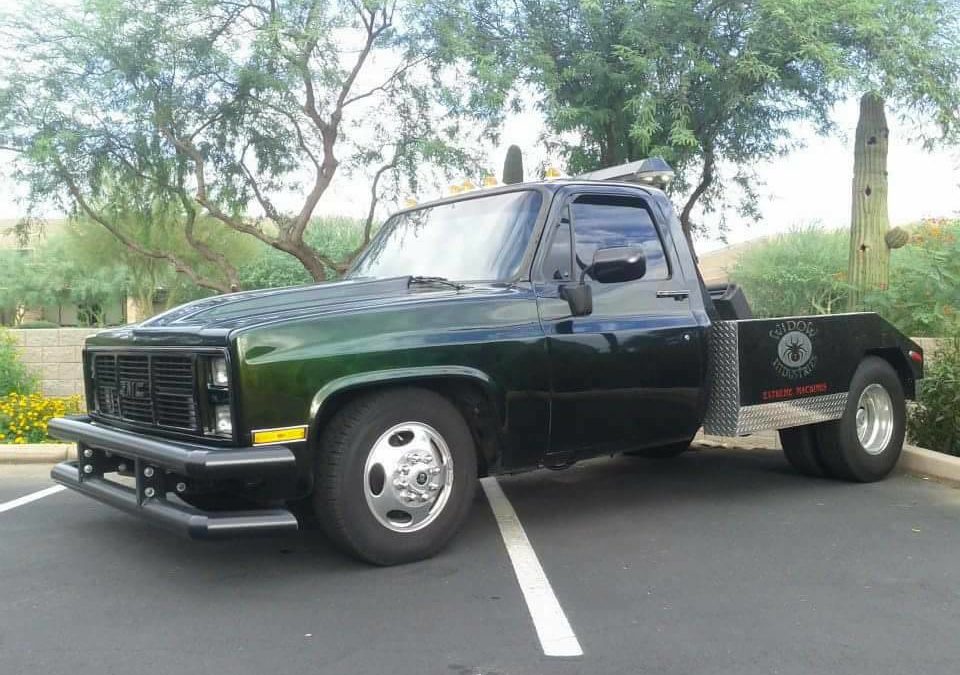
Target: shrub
(797,273)
(935,421)
(924,294)
(24,417)
(335,236)
(15,377)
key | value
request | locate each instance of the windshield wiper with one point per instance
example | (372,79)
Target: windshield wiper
(439,281)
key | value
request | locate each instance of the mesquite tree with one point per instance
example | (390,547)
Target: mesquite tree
(711,86)
(239,113)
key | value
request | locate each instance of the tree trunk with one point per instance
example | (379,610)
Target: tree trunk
(869,264)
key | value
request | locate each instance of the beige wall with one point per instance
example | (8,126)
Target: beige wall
(54,355)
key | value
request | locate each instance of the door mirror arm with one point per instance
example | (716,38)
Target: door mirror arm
(610,265)
(579,297)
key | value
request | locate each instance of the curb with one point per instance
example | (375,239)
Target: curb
(917,460)
(37,453)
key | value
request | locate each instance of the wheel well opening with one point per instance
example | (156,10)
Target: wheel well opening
(478,408)
(899,363)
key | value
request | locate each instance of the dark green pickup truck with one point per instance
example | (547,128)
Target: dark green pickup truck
(501,330)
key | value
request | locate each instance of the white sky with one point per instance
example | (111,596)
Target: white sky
(810,185)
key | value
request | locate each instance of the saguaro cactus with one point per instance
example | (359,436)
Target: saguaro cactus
(869,265)
(513,166)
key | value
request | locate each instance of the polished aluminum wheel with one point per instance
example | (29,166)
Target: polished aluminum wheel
(875,419)
(408,477)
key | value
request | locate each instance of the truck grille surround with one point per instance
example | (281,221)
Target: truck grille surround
(151,390)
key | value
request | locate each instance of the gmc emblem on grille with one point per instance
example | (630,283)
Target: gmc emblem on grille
(134,389)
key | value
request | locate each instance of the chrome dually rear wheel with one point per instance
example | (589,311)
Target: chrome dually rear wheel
(874,419)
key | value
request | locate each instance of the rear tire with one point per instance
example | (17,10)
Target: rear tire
(396,475)
(865,444)
(800,448)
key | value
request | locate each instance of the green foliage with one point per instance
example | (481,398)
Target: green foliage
(167,113)
(15,377)
(335,235)
(701,82)
(801,272)
(804,272)
(935,422)
(924,294)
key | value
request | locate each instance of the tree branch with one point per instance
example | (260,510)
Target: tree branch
(179,265)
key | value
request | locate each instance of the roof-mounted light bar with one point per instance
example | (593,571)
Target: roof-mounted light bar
(651,171)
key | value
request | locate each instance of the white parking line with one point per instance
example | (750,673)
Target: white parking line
(556,636)
(32,497)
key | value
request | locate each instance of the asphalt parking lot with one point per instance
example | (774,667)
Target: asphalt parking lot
(719,561)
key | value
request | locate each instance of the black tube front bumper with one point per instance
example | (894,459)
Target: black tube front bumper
(158,466)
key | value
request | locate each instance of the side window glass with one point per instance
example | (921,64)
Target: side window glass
(557,266)
(603,221)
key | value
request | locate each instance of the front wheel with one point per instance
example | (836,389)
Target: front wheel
(396,475)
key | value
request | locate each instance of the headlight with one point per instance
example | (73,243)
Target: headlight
(219,375)
(223,422)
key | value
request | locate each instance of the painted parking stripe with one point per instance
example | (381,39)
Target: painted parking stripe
(556,636)
(32,497)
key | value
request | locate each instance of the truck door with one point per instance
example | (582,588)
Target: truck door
(628,375)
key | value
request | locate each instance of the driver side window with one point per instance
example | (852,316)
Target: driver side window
(604,221)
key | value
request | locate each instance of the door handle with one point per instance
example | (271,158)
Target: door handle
(676,295)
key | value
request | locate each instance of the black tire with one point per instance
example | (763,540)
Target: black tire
(800,448)
(660,451)
(339,497)
(840,450)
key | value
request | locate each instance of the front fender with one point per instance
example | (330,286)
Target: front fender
(399,375)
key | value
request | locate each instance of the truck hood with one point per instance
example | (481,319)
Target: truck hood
(209,322)
(247,308)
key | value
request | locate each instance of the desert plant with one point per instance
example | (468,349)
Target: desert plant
(935,421)
(15,377)
(513,166)
(800,272)
(923,297)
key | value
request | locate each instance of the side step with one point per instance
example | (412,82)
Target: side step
(176,517)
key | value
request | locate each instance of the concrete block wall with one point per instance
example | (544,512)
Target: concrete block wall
(53,354)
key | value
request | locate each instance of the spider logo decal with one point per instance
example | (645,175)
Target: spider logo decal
(794,349)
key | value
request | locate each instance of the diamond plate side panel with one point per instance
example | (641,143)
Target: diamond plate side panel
(723,410)
(783,414)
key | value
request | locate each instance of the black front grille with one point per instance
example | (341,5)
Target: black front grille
(157,390)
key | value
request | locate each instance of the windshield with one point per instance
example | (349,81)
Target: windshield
(477,239)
